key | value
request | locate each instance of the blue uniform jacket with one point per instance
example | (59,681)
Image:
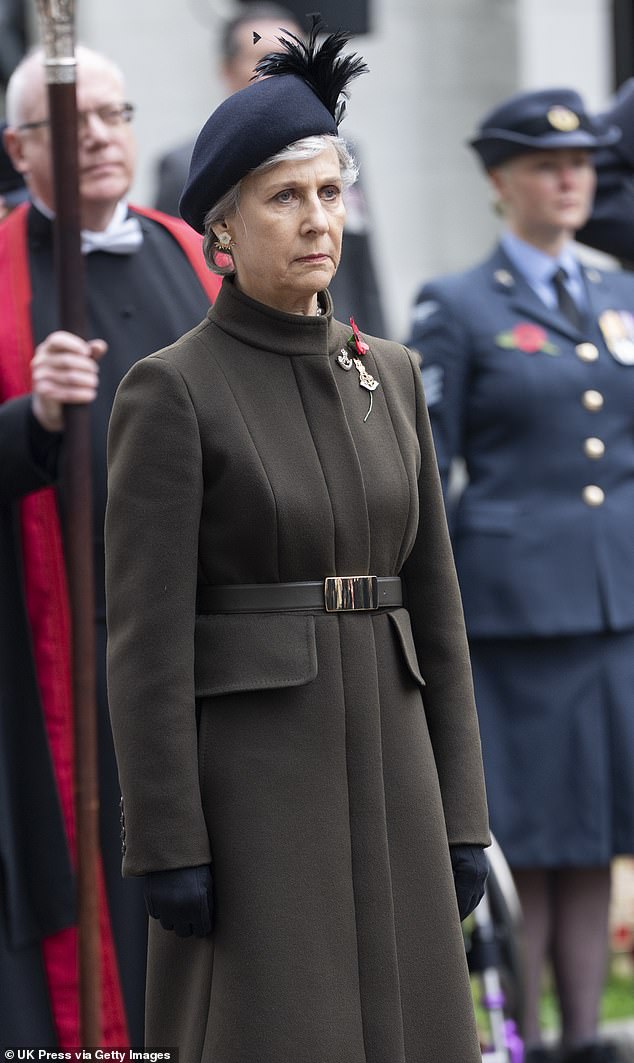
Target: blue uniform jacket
(543,415)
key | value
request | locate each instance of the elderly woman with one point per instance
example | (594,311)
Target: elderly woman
(289,681)
(528,360)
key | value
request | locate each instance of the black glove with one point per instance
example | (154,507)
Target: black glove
(181,899)
(470,869)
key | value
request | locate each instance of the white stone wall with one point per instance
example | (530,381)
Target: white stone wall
(436,66)
(566,42)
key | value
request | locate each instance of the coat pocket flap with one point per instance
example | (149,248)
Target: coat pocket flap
(400,620)
(249,652)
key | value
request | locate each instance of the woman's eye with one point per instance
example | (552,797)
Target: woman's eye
(285,196)
(330,192)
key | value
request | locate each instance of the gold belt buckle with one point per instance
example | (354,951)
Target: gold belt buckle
(348,593)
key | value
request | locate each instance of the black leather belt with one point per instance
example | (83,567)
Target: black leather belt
(335,594)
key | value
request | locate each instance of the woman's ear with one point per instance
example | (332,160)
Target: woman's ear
(496,178)
(498,190)
(223,234)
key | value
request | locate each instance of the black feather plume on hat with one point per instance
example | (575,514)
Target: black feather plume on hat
(321,66)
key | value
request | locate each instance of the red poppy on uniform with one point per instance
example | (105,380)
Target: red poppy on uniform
(526,337)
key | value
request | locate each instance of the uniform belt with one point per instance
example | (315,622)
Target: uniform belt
(335,594)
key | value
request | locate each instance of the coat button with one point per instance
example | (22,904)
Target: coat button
(593,447)
(593,495)
(592,400)
(587,352)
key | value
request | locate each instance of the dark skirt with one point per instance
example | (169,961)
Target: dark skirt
(557,724)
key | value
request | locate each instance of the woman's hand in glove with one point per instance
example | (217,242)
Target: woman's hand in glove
(181,899)
(470,869)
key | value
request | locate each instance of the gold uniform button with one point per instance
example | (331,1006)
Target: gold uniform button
(587,352)
(592,400)
(593,447)
(593,495)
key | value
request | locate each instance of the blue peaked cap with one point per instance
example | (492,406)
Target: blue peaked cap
(533,121)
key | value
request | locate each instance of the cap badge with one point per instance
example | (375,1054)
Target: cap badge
(563,119)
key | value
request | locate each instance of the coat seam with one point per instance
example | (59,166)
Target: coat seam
(354,898)
(208,347)
(387,844)
(319,460)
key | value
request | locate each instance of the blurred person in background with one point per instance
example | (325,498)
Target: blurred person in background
(528,366)
(13,37)
(146,282)
(610,227)
(245,38)
(306,810)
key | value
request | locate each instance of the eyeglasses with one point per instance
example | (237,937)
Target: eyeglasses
(111,114)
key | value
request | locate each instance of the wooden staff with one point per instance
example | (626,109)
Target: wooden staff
(57,28)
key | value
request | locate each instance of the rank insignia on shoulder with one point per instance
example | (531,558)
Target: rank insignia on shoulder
(433,377)
(526,337)
(617,327)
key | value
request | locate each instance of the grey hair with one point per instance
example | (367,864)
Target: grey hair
(31,67)
(299,151)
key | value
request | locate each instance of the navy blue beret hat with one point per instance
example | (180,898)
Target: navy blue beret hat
(297,94)
(533,121)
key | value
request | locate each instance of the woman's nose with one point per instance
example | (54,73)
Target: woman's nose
(567,175)
(316,217)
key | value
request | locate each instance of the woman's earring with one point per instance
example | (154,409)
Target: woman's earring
(223,243)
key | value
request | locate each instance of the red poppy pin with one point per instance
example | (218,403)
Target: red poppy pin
(356,342)
(526,337)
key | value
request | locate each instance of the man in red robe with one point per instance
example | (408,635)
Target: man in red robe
(147,283)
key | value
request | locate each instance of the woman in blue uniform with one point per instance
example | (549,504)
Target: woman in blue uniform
(528,362)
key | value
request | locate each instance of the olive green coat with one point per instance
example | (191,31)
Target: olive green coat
(326,775)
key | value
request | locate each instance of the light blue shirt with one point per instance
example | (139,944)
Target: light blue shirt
(538,268)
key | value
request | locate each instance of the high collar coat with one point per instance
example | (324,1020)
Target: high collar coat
(335,754)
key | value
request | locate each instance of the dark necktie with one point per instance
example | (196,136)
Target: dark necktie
(566,304)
